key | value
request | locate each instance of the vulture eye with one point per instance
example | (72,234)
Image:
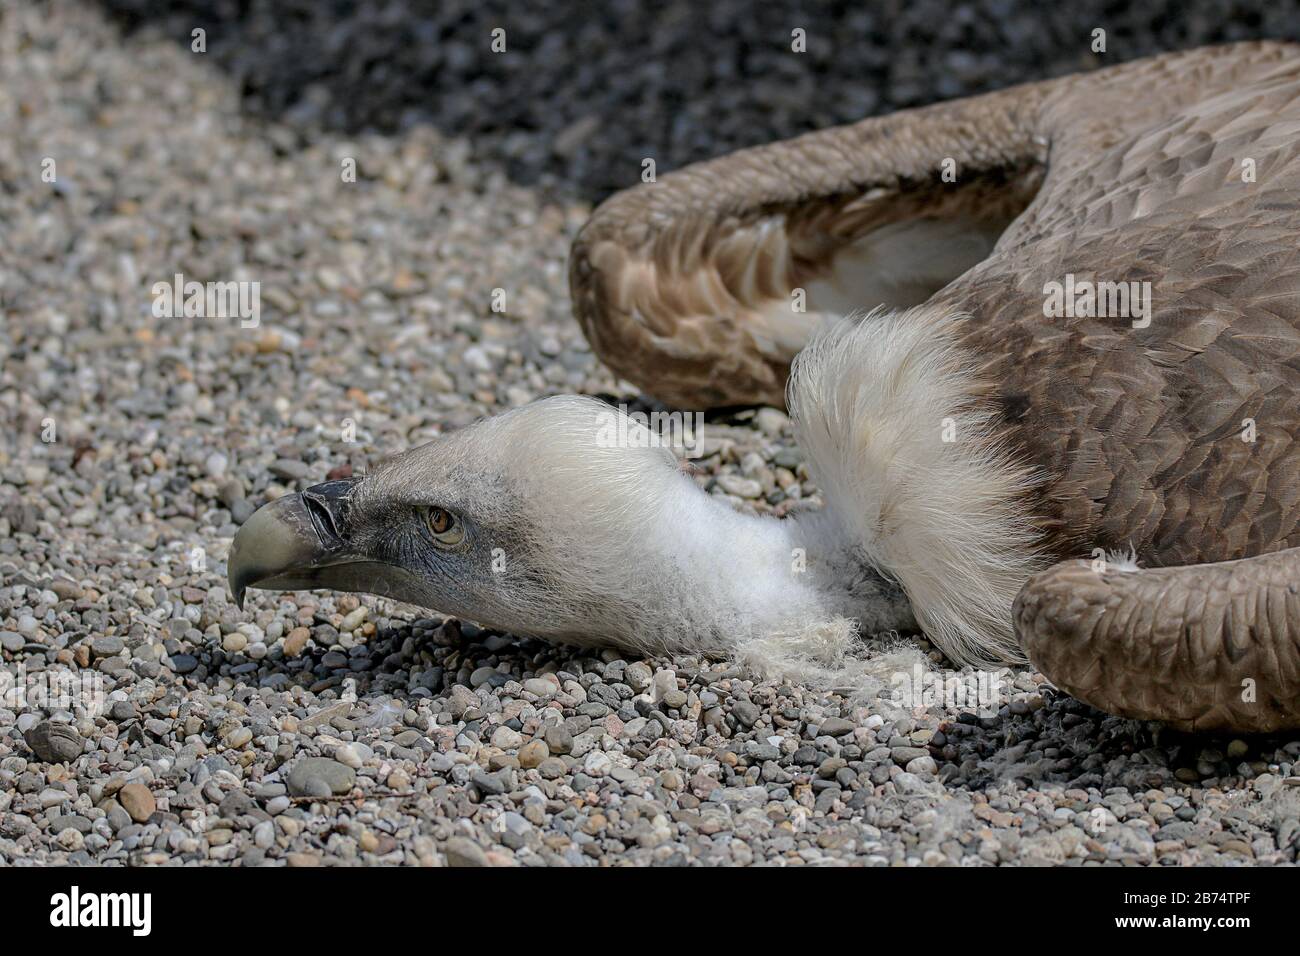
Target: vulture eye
(444,526)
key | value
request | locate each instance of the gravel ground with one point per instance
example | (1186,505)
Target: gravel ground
(325,729)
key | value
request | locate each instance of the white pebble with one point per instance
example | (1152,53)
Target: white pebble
(348,756)
(264,834)
(506,739)
(598,763)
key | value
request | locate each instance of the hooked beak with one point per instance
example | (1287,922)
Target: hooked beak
(295,543)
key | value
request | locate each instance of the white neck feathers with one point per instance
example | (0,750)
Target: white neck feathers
(885,407)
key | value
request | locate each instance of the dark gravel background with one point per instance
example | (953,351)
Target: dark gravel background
(585,91)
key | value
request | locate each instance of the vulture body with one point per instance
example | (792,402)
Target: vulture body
(972,448)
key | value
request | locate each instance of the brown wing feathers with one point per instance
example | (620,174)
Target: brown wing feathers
(1177,438)
(676,282)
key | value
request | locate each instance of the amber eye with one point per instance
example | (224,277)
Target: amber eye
(444,526)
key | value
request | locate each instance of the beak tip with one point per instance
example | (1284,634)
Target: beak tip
(278,539)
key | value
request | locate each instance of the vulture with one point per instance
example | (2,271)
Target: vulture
(1041,349)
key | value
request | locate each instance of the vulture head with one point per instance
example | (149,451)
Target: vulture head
(493,522)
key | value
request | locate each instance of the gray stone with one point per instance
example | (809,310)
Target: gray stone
(320,776)
(464,852)
(54,743)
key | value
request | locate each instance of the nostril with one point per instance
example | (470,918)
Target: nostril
(322,518)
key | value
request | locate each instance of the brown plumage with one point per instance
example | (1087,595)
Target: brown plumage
(1177,439)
